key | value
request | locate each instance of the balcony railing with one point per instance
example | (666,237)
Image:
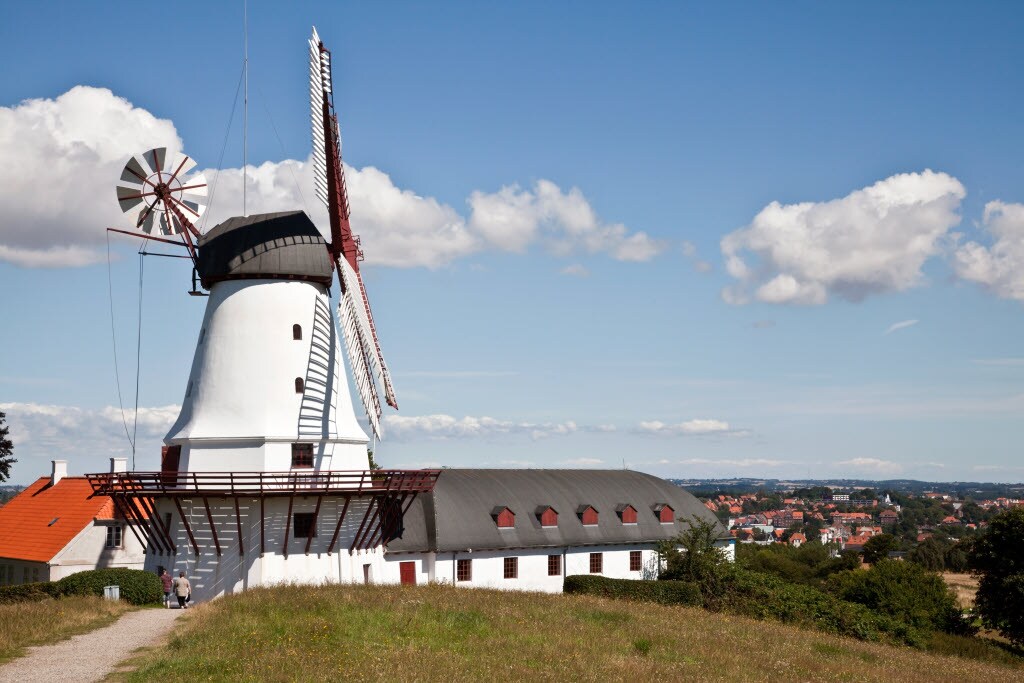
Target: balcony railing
(288,483)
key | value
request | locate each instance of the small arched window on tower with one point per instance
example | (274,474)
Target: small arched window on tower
(296,331)
(300,386)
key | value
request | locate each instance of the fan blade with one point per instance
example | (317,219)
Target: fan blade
(356,349)
(129,198)
(180,164)
(316,114)
(133,172)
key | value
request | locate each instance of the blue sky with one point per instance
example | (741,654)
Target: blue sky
(643,302)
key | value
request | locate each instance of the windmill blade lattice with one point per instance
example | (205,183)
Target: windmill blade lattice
(154,191)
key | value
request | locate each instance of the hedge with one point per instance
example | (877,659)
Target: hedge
(28,592)
(137,587)
(663,592)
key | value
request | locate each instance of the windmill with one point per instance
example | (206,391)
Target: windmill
(354,315)
(154,191)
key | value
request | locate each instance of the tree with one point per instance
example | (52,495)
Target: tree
(693,556)
(997,557)
(877,547)
(6,450)
(930,554)
(905,591)
(372,463)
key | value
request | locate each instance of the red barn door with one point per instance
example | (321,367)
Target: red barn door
(407,572)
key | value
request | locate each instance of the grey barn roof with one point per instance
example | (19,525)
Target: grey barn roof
(271,245)
(459,514)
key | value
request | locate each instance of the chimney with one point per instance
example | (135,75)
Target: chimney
(60,470)
(118,465)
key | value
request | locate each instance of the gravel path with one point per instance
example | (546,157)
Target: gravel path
(91,656)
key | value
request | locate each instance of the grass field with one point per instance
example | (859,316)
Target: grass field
(443,633)
(964,585)
(39,623)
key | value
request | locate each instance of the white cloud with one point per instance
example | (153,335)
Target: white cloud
(85,437)
(405,428)
(742,463)
(872,465)
(63,156)
(689,250)
(687,428)
(513,218)
(583,462)
(575,269)
(902,325)
(1000,267)
(873,240)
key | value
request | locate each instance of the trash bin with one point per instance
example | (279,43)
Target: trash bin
(112,592)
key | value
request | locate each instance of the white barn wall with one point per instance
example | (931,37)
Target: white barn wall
(88,550)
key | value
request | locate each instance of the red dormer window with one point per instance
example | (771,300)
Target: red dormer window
(548,516)
(587,514)
(503,517)
(666,515)
(627,513)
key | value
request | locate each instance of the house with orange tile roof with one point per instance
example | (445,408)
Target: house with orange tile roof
(797,540)
(56,527)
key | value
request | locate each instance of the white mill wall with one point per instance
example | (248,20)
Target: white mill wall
(241,411)
(488,567)
(212,576)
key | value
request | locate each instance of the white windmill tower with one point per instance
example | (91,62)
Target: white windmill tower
(267,458)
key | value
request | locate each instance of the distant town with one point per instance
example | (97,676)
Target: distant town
(844,515)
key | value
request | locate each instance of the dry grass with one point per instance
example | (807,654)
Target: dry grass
(39,623)
(443,633)
(964,585)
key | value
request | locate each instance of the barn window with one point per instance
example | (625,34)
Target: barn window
(304,524)
(548,516)
(587,514)
(300,386)
(627,513)
(503,517)
(511,567)
(666,515)
(296,331)
(302,455)
(464,570)
(114,536)
(636,561)
(596,563)
(554,565)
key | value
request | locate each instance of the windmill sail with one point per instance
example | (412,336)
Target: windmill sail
(354,315)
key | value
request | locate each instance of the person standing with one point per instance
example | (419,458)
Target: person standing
(182,589)
(168,582)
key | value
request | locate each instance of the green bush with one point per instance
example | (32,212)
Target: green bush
(905,591)
(137,587)
(28,592)
(763,596)
(662,592)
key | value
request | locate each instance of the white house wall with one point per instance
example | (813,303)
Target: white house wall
(88,550)
(212,576)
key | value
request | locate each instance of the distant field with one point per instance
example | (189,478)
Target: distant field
(444,633)
(964,585)
(39,623)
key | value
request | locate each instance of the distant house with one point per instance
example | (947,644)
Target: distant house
(888,517)
(951,520)
(856,542)
(53,528)
(797,540)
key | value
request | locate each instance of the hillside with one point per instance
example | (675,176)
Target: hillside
(444,633)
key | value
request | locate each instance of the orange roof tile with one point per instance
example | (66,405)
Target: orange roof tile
(27,527)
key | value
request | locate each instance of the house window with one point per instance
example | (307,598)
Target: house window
(304,524)
(588,515)
(302,455)
(296,332)
(114,536)
(636,561)
(549,518)
(35,574)
(629,515)
(504,518)
(464,570)
(596,563)
(511,567)
(300,386)
(666,515)
(554,565)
